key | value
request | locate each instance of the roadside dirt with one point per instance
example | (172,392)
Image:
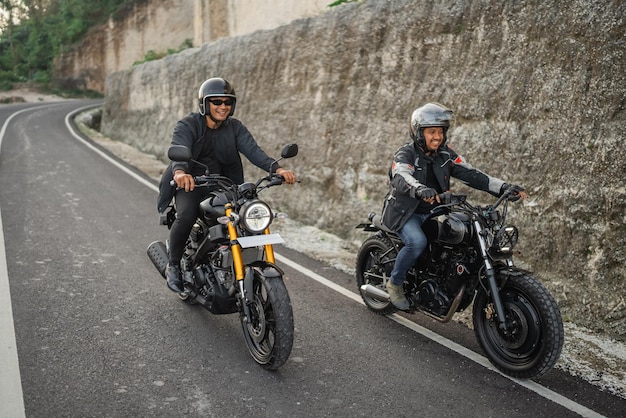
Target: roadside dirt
(599,360)
(26,96)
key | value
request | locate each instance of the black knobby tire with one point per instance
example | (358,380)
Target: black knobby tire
(269,334)
(535,343)
(374,264)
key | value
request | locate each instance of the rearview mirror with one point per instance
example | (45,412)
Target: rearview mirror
(290,150)
(179,153)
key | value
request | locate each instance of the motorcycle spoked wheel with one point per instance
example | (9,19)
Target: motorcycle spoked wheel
(269,333)
(534,344)
(374,261)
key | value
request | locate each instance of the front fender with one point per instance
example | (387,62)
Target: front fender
(506,271)
(264,269)
(267,269)
(503,273)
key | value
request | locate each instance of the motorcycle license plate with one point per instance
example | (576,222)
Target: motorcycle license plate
(256,240)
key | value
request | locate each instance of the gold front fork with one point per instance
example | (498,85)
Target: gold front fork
(269,250)
(234,247)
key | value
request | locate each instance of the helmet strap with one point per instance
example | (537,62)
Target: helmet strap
(418,138)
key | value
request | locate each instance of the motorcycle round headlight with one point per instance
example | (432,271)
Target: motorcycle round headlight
(256,216)
(506,239)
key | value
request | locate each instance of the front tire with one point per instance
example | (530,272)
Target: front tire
(535,340)
(374,264)
(269,333)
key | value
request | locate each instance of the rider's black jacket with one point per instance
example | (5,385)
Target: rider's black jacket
(229,140)
(408,174)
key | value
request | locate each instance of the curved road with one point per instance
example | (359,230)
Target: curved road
(90,329)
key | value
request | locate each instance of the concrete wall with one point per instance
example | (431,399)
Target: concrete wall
(162,25)
(539,93)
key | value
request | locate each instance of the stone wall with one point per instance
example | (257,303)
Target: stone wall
(539,93)
(162,25)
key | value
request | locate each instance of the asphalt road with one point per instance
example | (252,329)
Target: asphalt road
(97,333)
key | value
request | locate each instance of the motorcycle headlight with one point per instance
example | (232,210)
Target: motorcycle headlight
(506,239)
(256,216)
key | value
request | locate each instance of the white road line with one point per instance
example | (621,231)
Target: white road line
(11,394)
(483,361)
(103,154)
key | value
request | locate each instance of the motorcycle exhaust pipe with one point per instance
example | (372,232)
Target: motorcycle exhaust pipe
(158,255)
(374,292)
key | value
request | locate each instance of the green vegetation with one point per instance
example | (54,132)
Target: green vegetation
(34,32)
(152,55)
(338,2)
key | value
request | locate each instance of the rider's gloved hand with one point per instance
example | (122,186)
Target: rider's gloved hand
(445,198)
(517,191)
(425,193)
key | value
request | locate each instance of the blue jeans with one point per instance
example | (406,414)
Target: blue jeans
(414,243)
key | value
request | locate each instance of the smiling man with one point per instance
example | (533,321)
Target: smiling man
(216,140)
(420,172)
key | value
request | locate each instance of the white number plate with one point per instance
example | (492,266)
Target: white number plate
(256,240)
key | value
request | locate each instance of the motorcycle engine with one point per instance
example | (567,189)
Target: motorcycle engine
(444,274)
(223,266)
(196,235)
(432,298)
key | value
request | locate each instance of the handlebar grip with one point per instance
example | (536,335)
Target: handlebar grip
(196,180)
(445,197)
(277,180)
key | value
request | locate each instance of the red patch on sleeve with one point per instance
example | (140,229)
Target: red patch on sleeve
(458,160)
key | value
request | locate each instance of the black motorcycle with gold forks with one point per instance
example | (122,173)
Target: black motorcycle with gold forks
(229,265)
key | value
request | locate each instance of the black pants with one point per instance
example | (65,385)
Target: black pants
(187,207)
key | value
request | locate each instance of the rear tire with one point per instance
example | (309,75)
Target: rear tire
(534,343)
(374,264)
(269,333)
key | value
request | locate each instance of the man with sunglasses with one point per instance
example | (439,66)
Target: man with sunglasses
(215,139)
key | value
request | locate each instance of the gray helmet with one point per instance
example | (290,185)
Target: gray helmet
(427,116)
(215,87)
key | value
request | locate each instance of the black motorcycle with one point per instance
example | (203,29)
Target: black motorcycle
(229,265)
(469,259)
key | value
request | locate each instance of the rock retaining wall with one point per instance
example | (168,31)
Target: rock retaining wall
(539,93)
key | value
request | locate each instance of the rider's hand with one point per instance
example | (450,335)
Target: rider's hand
(445,198)
(184,180)
(427,194)
(518,192)
(288,175)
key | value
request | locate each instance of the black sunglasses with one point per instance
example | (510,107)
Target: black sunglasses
(218,102)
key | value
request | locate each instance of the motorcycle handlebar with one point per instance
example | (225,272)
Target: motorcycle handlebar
(276,180)
(273,180)
(196,180)
(200,180)
(450,199)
